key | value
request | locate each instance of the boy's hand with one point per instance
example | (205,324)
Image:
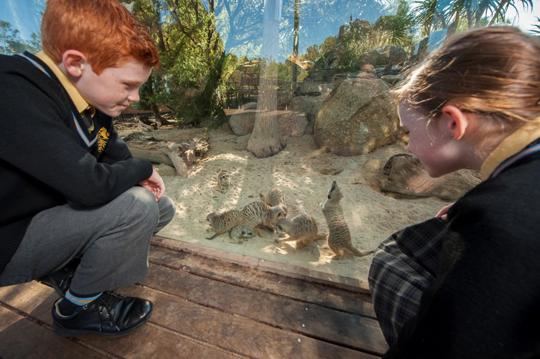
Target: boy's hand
(154,184)
(443,212)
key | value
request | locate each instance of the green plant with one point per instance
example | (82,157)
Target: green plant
(11,42)
(536,27)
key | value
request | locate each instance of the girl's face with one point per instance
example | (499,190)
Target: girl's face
(432,142)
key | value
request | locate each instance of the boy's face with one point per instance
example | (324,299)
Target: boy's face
(431,142)
(115,88)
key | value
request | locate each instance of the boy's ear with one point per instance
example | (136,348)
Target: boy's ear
(457,121)
(74,62)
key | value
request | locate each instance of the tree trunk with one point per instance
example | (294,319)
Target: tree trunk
(265,140)
(295,43)
(154,106)
(158,25)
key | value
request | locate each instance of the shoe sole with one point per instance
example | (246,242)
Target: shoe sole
(66,332)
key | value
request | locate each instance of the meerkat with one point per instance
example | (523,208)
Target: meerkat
(302,229)
(223,180)
(339,236)
(224,221)
(273,198)
(257,214)
(240,234)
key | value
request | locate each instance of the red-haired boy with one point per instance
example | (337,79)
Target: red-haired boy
(79,210)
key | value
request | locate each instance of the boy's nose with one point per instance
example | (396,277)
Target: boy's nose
(134,96)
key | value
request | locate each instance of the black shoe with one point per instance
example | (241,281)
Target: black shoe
(110,314)
(61,279)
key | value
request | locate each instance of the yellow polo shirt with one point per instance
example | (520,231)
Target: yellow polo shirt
(78,100)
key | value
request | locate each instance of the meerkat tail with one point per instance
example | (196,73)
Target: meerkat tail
(214,236)
(359,253)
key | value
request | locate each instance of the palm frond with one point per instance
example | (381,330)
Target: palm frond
(536,27)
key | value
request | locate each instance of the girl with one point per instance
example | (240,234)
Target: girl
(466,284)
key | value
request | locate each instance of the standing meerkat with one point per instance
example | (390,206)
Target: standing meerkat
(223,180)
(339,236)
(302,229)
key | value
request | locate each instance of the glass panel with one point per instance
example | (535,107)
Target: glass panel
(281,86)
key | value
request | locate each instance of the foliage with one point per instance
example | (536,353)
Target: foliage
(194,66)
(461,15)
(536,27)
(197,77)
(397,28)
(11,43)
(359,37)
(428,16)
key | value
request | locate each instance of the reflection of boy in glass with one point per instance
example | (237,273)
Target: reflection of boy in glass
(467,284)
(79,210)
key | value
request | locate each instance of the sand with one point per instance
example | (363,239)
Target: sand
(304,173)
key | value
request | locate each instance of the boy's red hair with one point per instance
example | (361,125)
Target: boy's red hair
(103,30)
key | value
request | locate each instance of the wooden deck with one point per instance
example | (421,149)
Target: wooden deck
(207,306)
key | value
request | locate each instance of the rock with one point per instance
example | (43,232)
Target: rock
(310,105)
(388,55)
(242,121)
(292,124)
(404,176)
(357,118)
(392,79)
(249,106)
(313,88)
(241,143)
(369,68)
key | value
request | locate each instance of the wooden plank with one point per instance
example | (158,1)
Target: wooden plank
(235,333)
(346,329)
(247,274)
(360,285)
(21,337)
(148,341)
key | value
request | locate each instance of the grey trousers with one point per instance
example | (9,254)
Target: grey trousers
(112,242)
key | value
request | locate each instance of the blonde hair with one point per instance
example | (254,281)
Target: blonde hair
(492,71)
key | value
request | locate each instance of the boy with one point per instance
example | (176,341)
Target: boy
(79,210)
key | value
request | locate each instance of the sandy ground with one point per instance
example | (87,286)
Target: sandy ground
(304,174)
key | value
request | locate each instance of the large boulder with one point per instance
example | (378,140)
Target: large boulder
(357,118)
(388,55)
(242,121)
(313,88)
(310,106)
(403,176)
(291,123)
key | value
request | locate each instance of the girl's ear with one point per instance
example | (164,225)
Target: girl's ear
(457,121)
(73,62)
